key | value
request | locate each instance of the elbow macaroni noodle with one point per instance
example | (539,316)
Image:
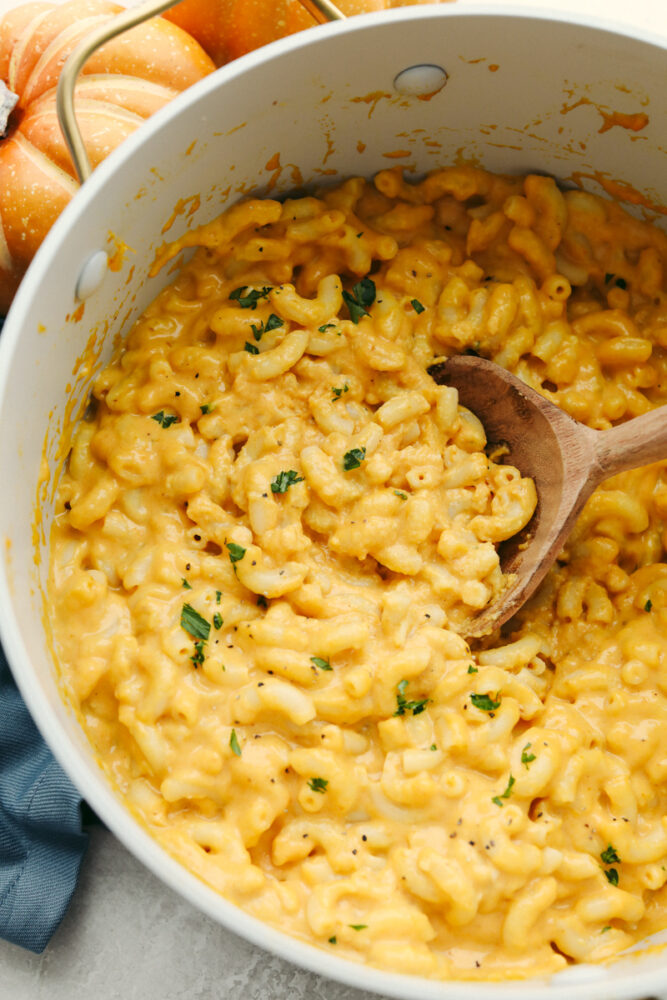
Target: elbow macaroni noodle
(274,525)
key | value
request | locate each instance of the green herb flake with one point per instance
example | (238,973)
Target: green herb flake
(433,746)
(236,552)
(403,705)
(609,856)
(165,419)
(648,605)
(484,702)
(217,621)
(352,459)
(320,663)
(198,657)
(417,306)
(609,277)
(318,784)
(206,408)
(611,874)
(605,929)
(250,348)
(472,669)
(218,596)
(358,927)
(338,391)
(325,327)
(506,794)
(400,495)
(185,585)
(234,743)
(527,758)
(262,602)
(361,296)
(253,296)
(621,283)
(272,323)
(282,482)
(333,939)
(194,624)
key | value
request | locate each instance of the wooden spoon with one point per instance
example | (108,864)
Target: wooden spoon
(566,460)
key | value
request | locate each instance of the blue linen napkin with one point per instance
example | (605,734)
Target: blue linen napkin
(41,841)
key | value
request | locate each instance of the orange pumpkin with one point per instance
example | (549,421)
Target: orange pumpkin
(230,28)
(122,84)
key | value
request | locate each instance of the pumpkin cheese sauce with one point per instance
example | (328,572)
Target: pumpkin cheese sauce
(274,526)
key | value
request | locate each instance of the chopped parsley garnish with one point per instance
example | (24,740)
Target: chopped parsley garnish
(333,940)
(497,799)
(527,758)
(320,663)
(185,584)
(217,621)
(326,326)
(250,300)
(236,552)
(282,482)
(400,494)
(433,746)
(318,784)
(250,348)
(194,624)
(611,875)
(272,323)
(206,408)
(234,743)
(352,459)
(484,702)
(610,857)
(472,669)
(165,419)
(338,391)
(218,596)
(358,927)
(403,705)
(648,605)
(198,656)
(417,306)
(361,296)
(605,929)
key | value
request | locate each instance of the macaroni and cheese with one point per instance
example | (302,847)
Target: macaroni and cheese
(274,526)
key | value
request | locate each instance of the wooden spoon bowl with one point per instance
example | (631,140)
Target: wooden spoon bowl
(566,460)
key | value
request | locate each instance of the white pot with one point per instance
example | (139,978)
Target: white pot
(299,98)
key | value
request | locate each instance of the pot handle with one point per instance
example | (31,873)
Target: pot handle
(321,10)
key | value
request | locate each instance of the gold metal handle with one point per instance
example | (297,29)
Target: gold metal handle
(321,10)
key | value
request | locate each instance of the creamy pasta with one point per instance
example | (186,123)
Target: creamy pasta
(274,526)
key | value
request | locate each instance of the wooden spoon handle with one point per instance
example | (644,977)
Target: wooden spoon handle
(630,445)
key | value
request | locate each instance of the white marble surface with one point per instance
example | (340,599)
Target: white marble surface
(126,936)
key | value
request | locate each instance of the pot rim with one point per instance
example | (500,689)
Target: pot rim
(97,790)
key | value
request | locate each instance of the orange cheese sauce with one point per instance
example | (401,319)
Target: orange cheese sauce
(274,525)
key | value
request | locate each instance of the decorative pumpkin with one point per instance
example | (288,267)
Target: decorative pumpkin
(230,28)
(122,84)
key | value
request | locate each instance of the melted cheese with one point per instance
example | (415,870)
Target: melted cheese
(274,525)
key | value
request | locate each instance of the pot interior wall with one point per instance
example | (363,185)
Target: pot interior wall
(524,93)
